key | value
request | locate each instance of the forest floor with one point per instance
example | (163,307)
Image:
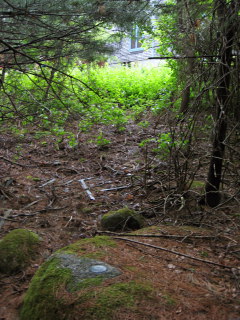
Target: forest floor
(41,189)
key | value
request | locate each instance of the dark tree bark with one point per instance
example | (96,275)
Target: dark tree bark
(185,26)
(186,94)
(225,13)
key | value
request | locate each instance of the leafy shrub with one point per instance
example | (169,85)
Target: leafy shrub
(93,95)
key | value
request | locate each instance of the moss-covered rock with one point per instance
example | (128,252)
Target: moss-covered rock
(82,247)
(17,249)
(109,300)
(94,248)
(68,289)
(57,283)
(123,219)
(44,300)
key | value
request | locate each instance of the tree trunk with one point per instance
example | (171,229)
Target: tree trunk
(212,192)
(187,91)
(185,26)
(2,77)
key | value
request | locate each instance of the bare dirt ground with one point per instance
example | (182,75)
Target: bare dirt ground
(42,189)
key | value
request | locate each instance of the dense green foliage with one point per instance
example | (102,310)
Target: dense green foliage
(90,95)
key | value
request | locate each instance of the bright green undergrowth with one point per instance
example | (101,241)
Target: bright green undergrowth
(130,87)
(93,95)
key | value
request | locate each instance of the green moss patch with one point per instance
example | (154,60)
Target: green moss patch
(122,219)
(47,297)
(17,249)
(44,300)
(91,247)
(169,229)
(65,289)
(109,300)
(88,283)
(52,291)
(197,185)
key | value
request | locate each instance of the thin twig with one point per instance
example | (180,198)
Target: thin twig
(36,212)
(175,252)
(16,163)
(71,170)
(86,189)
(116,188)
(6,194)
(48,182)
(159,235)
(31,204)
(68,222)
(7,219)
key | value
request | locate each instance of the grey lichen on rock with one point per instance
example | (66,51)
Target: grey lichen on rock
(17,249)
(122,219)
(83,268)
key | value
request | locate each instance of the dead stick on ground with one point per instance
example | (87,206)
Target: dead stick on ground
(86,189)
(117,188)
(17,163)
(173,236)
(36,212)
(68,222)
(175,252)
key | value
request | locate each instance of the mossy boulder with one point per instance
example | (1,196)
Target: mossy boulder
(57,282)
(123,219)
(43,299)
(68,287)
(17,249)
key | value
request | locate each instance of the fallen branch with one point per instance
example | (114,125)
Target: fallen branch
(175,252)
(70,170)
(49,164)
(117,188)
(31,204)
(173,236)
(36,212)
(86,189)
(6,194)
(48,182)
(116,172)
(68,222)
(103,182)
(68,182)
(17,163)
(7,219)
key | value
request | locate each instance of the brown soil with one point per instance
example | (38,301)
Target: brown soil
(41,190)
